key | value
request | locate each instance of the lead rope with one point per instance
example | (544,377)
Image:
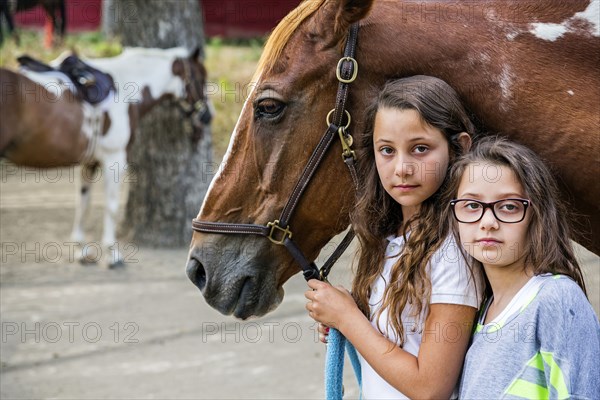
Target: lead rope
(337,346)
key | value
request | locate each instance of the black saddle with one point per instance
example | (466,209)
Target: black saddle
(92,85)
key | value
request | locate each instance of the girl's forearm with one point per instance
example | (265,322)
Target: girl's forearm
(398,367)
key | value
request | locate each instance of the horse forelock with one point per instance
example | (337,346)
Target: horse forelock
(282,34)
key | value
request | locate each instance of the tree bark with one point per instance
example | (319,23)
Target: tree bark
(168,181)
(161,23)
(169,178)
(109,20)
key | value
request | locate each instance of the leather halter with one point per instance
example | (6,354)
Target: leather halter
(279,231)
(198,110)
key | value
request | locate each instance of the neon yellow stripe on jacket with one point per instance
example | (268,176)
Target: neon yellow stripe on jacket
(528,390)
(557,378)
(542,361)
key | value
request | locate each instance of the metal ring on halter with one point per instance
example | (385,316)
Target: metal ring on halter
(338,70)
(347,114)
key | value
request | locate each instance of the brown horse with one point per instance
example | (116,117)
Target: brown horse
(528,70)
(42,120)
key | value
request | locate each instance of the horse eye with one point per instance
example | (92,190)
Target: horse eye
(268,108)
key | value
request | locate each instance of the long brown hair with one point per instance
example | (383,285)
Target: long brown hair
(550,231)
(377,215)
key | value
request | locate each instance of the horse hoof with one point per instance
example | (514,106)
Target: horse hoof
(87,261)
(117,264)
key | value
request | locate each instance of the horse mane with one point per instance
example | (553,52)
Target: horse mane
(282,33)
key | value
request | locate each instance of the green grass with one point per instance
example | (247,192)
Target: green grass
(230,65)
(88,44)
(230,69)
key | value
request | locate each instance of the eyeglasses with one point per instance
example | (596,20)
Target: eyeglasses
(509,211)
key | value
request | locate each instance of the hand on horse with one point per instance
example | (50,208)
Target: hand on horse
(330,306)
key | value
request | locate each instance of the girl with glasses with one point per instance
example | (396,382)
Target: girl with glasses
(537,336)
(414,298)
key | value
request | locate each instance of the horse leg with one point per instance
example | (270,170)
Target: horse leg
(3,6)
(84,187)
(6,15)
(114,167)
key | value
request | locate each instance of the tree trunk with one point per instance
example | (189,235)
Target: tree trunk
(161,23)
(109,18)
(169,178)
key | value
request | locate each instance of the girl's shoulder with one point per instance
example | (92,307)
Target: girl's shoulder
(550,301)
(561,301)
(561,289)
(448,251)
(452,280)
(448,258)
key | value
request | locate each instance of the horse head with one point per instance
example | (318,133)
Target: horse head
(280,124)
(528,80)
(193,102)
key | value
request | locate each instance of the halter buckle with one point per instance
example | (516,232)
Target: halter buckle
(199,105)
(275,226)
(338,70)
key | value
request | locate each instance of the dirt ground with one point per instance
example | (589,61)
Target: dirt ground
(142,332)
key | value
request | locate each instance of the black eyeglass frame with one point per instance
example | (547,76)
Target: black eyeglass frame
(526,204)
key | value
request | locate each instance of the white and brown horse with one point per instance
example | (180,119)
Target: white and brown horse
(44,124)
(527,69)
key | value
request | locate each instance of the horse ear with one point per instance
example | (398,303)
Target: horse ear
(195,54)
(349,12)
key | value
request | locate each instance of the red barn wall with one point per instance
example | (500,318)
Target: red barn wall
(225,18)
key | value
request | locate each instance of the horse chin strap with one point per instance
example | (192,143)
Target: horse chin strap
(278,231)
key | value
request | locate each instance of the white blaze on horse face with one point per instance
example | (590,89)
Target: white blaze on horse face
(231,140)
(552,31)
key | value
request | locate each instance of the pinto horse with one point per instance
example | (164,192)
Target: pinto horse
(527,70)
(44,124)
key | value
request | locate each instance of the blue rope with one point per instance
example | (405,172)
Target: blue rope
(334,364)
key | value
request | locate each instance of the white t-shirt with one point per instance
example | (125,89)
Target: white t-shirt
(451,283)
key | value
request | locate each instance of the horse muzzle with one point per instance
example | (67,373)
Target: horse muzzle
(233,281)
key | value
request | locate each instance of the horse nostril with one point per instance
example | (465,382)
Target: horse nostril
(196,273)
